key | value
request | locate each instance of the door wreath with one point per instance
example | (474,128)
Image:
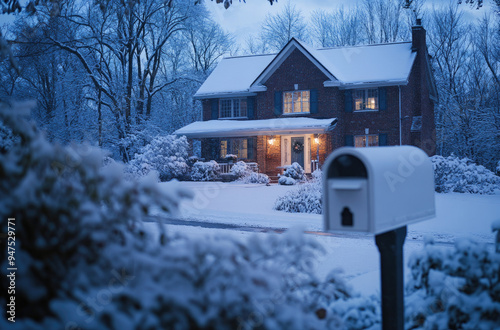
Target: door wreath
(298,147)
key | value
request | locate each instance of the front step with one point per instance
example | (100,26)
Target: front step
(273,178)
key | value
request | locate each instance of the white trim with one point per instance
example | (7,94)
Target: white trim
(286,150)
(258,88)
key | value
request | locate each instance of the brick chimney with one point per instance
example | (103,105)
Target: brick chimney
(418,36)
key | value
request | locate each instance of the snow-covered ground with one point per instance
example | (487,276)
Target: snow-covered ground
(249,206)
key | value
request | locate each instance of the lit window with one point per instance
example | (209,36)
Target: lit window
(366,140)
(365,99)
(296,102)
(238,147)
(232,108)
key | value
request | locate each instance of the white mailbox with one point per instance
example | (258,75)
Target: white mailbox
(377,189)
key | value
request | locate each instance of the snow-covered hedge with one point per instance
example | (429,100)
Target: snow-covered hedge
(455,288)
(304,199)
(166,155)
(205,171)
(292,174)
(452,174)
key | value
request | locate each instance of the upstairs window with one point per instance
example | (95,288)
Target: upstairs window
(369,140)
(296,102)
(366,99)
(233,108)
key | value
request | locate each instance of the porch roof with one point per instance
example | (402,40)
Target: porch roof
(241,128)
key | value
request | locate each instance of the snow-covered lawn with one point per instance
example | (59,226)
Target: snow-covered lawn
(248,205)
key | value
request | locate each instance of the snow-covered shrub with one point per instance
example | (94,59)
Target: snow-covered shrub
(255,177)
(245,174)
(452,174)
(498,169)
(205,171)
(286,181)
(231,158)
(166,155)
(193,159)
(455,288)
(292,175)
(69,211)
(240,169)
(304,199)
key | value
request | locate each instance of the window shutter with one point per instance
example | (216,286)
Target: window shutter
(278,103)
(382,98)
(349,141)
(215,108)
(348,100)
(250,148)
(214,148)
(251,107)
(314,101)
(382,139)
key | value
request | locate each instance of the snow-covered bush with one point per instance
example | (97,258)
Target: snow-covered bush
(68,212)
(452,174)
(292,175)
(205,171)
(498,169)
(193,159)
(455,288)
(240,169)
(166,155)
(231,158)
(245,174)
(255,177)
(304,199)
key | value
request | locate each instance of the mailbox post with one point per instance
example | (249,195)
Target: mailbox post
(380,190)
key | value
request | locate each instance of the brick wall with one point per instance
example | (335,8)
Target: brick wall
(296,69)
(273,156)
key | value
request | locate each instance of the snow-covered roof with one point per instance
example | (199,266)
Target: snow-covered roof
(347,67)
(234,75)
(390,63)
(236,128)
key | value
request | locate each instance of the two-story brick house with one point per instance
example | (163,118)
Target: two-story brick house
(302,103)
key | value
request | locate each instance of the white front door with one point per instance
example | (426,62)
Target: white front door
(296,148)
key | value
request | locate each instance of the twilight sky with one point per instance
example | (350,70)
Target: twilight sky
(243,19)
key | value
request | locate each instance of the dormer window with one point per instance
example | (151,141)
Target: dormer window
(365,99)
(232,108)
(296,102)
